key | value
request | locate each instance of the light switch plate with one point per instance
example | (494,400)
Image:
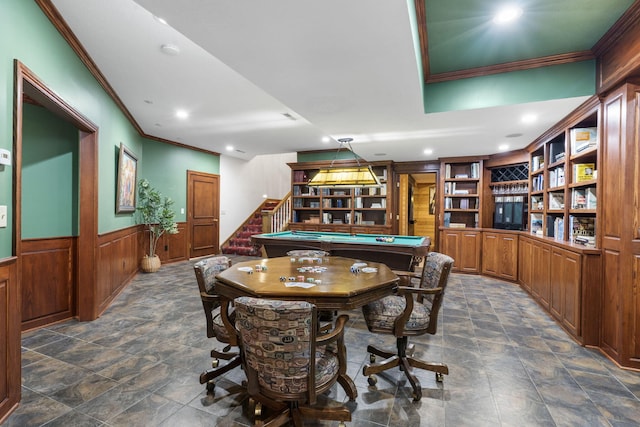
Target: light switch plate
(3,216)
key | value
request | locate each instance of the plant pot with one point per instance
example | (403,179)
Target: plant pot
(150,264)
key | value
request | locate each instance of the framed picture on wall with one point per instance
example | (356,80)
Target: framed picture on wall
(127,179)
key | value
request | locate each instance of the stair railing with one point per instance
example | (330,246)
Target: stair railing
(277,219)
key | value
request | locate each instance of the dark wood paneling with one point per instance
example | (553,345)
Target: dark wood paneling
(525,248)
(10,368)
(174,247)
(619,50)
(541,277)
(48,281)
(119,255)
(611,317)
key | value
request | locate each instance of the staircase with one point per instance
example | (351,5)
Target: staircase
(240,241)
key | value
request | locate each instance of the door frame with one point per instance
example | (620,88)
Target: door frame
(414,168)
(28,84)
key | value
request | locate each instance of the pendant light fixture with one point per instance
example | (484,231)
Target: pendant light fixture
(345,176)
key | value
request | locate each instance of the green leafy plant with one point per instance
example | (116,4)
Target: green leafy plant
(154,211)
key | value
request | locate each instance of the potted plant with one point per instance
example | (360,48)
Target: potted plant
(154,211)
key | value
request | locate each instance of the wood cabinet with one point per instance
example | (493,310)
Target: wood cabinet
(340,209)
(464,247)
(500,254)
(566,280)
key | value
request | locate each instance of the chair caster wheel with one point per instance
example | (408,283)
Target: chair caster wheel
(372,380)
(372,358)
(210,386)
(215,363)
(257,411)
(342,424)
(439,377)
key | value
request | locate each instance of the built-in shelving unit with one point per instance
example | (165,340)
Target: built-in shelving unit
(461,193)
(342,209)
(563,184)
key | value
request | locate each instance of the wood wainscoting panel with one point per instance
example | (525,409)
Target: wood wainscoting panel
(48,280)
(10,367)
(610,334)
(119,255)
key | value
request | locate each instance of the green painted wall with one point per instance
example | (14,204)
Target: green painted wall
(49,175)
(539,84)
(164,167)
(27,35)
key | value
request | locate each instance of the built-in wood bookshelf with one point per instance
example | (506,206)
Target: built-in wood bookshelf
(461,193)
(563,196)
(345,209)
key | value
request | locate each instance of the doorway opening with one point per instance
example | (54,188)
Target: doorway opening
(418,208)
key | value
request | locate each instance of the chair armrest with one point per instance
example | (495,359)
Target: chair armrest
(406,276)
(403,290)
(334,334)
(209,298)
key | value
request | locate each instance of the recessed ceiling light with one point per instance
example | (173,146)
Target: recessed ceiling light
(503,147)
(507,14)
(170,49)
(326,139)
(529,118)
(229,147)
(428,151)
(182,114)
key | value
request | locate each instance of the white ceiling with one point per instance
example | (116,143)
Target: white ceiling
(340,68)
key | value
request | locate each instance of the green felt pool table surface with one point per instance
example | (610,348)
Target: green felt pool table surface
(398,252)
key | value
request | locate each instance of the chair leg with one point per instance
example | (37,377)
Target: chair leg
(413,380)
(224,354)
(207,376)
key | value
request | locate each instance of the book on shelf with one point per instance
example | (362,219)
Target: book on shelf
(583,172)
(536,224)
(447,219)
(462,175)
(447,171)
(537,162)
(537,202)
(558,228)
(556,177)
(475,170)
(461,192)
(583,138)
(578,198)
(537,183)
(592,199)
(556,200)
(448,203)
(448,188)
(556,151)
(582,230)
(464,203)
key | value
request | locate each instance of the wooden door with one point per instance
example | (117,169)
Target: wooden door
(203,216)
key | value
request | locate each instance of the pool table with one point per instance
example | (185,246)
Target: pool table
(397,252)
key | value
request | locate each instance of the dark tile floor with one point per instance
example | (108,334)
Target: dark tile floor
(138,365)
